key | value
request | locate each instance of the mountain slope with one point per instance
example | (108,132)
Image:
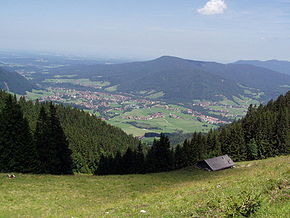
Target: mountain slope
(270,82)
(14,82)
(275,65)
(179,79)
(184,80)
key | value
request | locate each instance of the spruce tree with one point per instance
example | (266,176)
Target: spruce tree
(282,130)
(188,151)
(179,157)
(117,167)
(140,160)
(17,151)
(163,154)
(102,166)
(60,153)
(151,158)
(128,162)
(252,150)
(42,141)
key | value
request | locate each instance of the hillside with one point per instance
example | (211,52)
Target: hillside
(270,82)
(14,82)
(182,80)
(258,186)
(88,136)
(275,65)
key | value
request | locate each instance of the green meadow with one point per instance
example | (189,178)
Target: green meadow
(186,123)
(255,188)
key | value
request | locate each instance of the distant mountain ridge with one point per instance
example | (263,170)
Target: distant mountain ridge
(182,80)
(276,65)
(14,82)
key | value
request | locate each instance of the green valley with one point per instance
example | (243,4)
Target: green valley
(143,112)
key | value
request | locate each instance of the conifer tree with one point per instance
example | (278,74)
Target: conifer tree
(17,151)
(216,151)
(179,157)
(151,158)
(163,154)
(282,130)
(102,166)
(188,151)
(42,141)
(252,150)
(140,159)
(118,163)
(237,147)
(60,153)
(128,162)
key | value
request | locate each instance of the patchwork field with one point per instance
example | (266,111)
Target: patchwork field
(170,121)
(259,188)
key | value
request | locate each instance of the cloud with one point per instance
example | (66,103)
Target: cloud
(213,7)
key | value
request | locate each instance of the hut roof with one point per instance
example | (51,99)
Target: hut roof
(218,163)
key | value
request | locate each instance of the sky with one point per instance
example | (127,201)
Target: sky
(216,30)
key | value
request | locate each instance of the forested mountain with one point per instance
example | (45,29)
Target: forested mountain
(88,136)
(263,132)
(275,65)
(14,82)
(183,80)
(270,82)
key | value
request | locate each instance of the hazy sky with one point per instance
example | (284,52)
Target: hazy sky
(221,30)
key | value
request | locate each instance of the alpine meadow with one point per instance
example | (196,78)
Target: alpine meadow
(144,109)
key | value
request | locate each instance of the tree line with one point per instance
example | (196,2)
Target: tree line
(263,132)
(157,158)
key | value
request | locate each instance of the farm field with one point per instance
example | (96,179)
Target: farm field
(257,187)
(169,121)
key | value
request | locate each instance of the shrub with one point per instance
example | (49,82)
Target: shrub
(245,204)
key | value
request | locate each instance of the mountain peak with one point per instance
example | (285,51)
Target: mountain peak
(168,57)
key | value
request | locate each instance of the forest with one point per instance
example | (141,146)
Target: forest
(88,137)
(47,138)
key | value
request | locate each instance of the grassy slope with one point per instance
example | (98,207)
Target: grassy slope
(182,193)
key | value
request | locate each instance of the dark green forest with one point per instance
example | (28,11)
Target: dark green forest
(20,151)
(47,138)
(264,132)
(87,136)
